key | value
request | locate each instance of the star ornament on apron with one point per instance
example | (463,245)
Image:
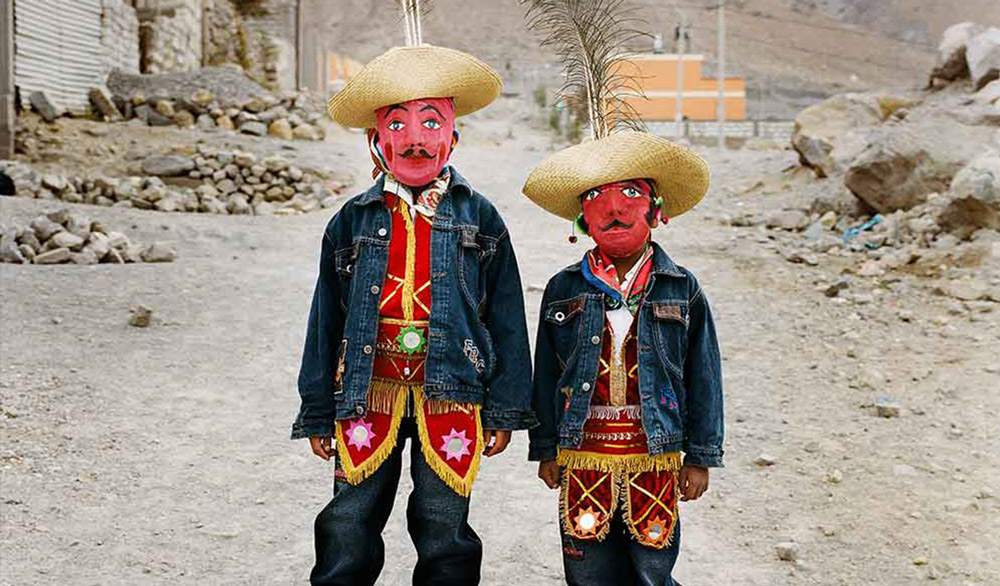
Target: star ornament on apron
(455,445)
(656,530)
(586,522)
(360,434)
(411,340)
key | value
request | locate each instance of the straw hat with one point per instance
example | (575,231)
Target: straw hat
(680,175)
(402,74)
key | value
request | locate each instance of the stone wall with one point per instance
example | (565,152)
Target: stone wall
(119,36)
(223,30)
(170,35)
(273,34)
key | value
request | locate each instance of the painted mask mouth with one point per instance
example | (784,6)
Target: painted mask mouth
(416,154)
(617,225)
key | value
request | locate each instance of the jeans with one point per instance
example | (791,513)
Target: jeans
(619,560)
(349,546)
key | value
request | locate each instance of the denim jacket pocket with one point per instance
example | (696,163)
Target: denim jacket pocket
(564,320)
(470,274)
(670,322)
(345,259)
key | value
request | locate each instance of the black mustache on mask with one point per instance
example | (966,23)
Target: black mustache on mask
(416,152)
(616,224)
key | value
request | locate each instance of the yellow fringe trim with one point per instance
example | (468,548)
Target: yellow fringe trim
(383,395)
(624,463)
(460,485)
(564,508)
(639,536)
(355,474)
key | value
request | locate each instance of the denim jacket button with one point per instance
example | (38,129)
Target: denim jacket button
(595,340)
(382,231)
(359,410)
(585,387)
(367,349)
(375,289)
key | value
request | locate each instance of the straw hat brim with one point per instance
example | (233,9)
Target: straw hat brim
(681,176)
(402,74)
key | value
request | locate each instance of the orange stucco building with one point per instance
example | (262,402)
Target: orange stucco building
(657,75)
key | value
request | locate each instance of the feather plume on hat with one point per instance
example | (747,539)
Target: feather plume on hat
(590,38)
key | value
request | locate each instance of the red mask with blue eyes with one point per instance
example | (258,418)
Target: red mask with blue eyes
(416,138)
(618,217)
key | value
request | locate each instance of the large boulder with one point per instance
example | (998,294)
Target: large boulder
(952,64)
(904,163)
(983,56)
(975,195)
(167,165)
(829,135)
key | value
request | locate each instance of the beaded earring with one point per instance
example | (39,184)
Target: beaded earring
(577,226)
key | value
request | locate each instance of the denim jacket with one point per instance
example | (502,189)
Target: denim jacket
(680,372)
(477,349)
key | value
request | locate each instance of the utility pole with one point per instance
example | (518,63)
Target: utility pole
(721,106)
(681,36)
(7,116)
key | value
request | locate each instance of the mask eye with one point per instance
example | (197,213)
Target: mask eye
(395,125)
(631,192)
(591,195)
(432,124)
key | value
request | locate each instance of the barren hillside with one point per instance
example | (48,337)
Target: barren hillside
(791,51)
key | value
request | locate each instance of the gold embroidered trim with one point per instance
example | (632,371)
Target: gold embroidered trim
(411,261)
(564,506)
(628,481)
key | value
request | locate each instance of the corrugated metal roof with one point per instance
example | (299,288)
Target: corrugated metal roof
(57,50)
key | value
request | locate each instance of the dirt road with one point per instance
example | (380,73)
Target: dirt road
(161,455)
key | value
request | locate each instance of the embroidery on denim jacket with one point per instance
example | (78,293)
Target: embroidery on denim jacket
(472,353)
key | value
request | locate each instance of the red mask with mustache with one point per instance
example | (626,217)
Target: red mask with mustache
(617,217)
(416,138)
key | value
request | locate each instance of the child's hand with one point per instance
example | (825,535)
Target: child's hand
(499,439)
(321,446)
(550,473)
(693,481)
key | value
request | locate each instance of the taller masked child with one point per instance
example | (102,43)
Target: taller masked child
(417,327)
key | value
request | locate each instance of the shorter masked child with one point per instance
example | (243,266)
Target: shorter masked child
(628,382)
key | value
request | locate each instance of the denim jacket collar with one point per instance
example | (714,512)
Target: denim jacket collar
(374,194)
(662,264)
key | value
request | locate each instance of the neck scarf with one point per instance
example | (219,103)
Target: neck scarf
(599,270)
(427,200)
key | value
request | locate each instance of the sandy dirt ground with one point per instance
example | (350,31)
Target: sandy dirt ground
(161,455)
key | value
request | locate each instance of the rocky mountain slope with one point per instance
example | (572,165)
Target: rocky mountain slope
(792,51)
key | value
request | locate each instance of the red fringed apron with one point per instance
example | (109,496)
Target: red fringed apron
(612,467)
(451,434)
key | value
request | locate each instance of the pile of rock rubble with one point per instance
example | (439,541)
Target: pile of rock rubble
(909,181)
(213,98)
(65,237)
(210,181)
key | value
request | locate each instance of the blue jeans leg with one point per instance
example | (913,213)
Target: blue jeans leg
(349,546)
(448,551)
(653,567)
